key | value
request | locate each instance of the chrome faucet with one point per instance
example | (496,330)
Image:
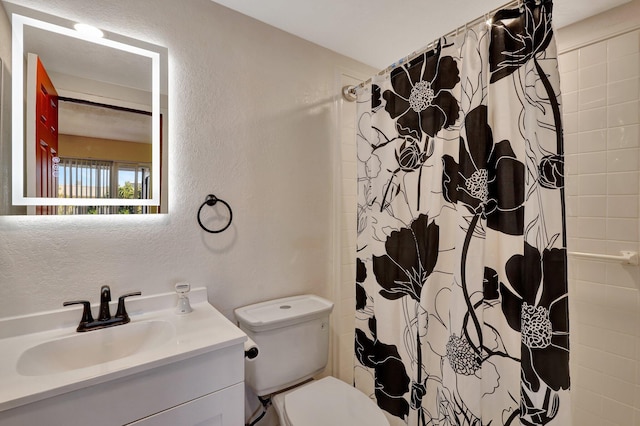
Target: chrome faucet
(87,323)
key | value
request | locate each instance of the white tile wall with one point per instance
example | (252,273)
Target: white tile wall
(600,90)
(345,294)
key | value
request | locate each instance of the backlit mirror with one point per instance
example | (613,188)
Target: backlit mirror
(88,114)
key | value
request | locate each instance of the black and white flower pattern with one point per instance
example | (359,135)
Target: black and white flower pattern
(461,289)
(410,256)
(477,180)
(537,308)
(421,100)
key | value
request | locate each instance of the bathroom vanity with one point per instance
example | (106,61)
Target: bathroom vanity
(162,368)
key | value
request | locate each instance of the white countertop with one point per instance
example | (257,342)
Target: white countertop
(203,330)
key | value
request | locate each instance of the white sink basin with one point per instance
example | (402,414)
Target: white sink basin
(94,347)
(42,355)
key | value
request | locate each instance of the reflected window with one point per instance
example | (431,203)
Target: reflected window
(89,178)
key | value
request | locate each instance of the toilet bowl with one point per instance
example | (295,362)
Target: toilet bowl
(327,401)
(292,335)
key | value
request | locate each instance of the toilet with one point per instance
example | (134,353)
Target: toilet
(292,335)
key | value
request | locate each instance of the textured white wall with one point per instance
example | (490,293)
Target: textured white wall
(252,120)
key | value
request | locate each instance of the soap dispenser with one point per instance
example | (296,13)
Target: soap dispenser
(183,306)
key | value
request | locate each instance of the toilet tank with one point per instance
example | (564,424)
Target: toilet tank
(292,335)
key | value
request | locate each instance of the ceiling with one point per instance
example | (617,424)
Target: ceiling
(379,32)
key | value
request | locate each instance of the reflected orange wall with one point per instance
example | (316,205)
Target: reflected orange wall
(103,149)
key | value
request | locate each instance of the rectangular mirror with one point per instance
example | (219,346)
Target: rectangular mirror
(88,114)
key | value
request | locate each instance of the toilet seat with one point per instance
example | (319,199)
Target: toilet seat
(329,401)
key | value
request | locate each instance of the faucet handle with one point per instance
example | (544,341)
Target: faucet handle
(122,311)
(86,312)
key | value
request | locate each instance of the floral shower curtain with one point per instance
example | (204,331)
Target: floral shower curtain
(462,312)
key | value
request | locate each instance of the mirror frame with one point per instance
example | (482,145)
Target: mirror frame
(18,22)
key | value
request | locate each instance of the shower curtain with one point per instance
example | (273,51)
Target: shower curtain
(461,293)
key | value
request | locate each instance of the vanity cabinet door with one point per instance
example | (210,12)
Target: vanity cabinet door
(222,408)
(216,376)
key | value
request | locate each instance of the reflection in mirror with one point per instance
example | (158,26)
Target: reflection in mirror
(91,140)
(109,157)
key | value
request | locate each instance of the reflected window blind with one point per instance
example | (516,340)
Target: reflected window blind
(82,178)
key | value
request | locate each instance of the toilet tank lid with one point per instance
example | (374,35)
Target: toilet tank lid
(282,312)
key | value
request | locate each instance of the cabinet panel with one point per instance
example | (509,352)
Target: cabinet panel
(136,396)
(222,408)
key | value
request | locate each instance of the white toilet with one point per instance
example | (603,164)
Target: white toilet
(292,335)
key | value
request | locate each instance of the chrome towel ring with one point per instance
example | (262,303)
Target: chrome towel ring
(212,200)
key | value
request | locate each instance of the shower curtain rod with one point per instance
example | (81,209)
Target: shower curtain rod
(349,92)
